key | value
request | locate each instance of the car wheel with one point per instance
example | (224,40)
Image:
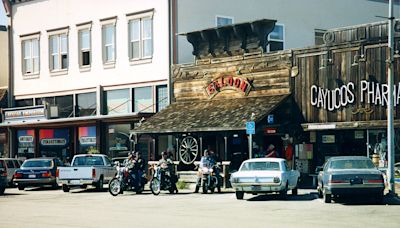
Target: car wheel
(327,198)
(65,188)
(100,184)
(320,195)
(283,193)
(54,186)
(21,187)
(239,195)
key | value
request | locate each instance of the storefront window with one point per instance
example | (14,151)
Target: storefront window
(143,99)
(162,97)
(86,104)
(24,103)
(26,143)
(64,105)
(87,140)
(117,101)
(54,143)
(118,143)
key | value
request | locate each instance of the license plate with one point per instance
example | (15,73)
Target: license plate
(256,188)
(75,182)
(356,181)
(32,176)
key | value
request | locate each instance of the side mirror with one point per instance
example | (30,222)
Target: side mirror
(318,169)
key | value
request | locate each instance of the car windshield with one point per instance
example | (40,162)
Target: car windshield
(352,164)
(88,161)
(260,166)
(37,163)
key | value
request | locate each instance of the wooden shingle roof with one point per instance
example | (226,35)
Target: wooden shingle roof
(210,115)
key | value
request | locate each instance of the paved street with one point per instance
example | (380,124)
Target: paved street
(88,208)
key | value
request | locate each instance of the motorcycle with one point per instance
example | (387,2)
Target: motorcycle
(161,180)
(210,179)
(123,181)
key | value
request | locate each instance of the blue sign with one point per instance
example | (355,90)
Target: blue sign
(270,119)
(250,128)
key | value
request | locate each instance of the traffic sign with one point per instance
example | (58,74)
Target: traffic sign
(250,128)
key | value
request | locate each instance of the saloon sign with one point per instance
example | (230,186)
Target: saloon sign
(228,83)
(369,93)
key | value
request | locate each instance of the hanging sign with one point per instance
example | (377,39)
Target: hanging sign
(228,83)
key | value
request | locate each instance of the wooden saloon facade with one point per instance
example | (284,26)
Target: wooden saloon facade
(330,98)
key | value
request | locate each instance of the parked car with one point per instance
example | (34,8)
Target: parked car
(349,175)
(3,177)
(264,175)
(86,169)
(12,164)
(397,169)
(37,172)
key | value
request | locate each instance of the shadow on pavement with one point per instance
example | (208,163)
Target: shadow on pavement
(11,194)
(34,189)
(270,197)
(362,201)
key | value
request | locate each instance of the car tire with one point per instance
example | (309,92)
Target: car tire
(65,188)
(283,193)
(327,198)
(21,187)
(239,195)
(100,184)
(320,195)
(54,186)
(2,190)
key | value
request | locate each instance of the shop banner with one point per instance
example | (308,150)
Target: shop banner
(87,135)
(54,137)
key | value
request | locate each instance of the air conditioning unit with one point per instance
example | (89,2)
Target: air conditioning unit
(53,112)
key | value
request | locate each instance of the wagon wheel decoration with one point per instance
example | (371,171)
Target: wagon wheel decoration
(188,150)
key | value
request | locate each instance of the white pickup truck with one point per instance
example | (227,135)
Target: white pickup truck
(86,169)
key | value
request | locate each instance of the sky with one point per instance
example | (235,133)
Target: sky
(3,18)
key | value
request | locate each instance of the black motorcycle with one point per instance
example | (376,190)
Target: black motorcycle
(125,181)
(162,180)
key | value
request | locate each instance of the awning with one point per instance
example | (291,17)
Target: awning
(210,115)
(360,125)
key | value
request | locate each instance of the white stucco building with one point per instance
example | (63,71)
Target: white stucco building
(84,72)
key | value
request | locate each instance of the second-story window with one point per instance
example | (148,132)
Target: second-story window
(58,52)
(277,38)
(109,43)
(223,20)
(84,48)
(140,35)
(30,54)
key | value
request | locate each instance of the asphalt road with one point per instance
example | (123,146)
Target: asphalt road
(38,207)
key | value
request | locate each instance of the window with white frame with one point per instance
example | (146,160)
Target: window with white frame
(140,35)
(84,39)
(277,38)
(58,52)
(30,54)
(109,43)
(223,20)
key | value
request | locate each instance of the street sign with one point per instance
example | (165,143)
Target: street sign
(250,128)
(270,119)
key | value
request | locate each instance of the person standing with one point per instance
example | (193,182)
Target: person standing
(271,152)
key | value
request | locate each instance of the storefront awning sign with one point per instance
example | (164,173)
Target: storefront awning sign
(53,142)
(87,140)
(35,112)
(369,92)
(228,83)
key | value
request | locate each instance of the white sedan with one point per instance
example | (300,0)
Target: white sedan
(264,175)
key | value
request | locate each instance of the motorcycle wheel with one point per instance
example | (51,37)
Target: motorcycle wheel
(155,186)
(212,190)
(114,187)
(171,190)
(219,189)
(205,187)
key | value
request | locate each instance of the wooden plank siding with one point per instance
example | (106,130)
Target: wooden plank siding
(340,62)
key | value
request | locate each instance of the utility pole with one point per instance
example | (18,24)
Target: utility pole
(390,119)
